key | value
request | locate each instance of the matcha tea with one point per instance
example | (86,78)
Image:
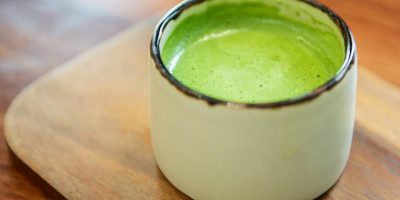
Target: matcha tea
(257,51)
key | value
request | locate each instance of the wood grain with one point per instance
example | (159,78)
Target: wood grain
(111,118)
(376,26)
(37,35)
(84,128)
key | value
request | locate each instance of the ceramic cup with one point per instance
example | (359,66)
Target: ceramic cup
(213,149)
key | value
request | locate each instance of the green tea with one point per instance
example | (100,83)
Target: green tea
(253,51)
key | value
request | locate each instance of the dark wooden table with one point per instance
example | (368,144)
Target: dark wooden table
(38,35)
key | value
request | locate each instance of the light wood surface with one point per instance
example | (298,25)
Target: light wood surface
(84,128)
(38,35)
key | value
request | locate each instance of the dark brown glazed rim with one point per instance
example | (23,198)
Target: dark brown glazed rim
(176,11)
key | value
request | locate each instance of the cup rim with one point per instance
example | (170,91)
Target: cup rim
(174,13)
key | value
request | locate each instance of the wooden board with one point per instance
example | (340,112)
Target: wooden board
(84,128)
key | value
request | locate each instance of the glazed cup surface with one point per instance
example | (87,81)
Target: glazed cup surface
(212,149)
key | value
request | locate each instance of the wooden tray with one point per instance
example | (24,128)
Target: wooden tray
(84,129)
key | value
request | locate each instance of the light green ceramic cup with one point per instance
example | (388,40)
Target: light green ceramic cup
(212,149)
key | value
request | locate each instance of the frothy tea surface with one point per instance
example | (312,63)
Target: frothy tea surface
(253,51)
